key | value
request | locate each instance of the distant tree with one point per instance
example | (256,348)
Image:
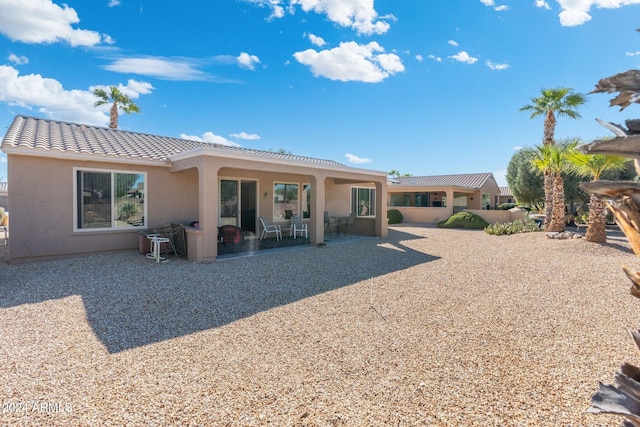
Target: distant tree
(119,102)
(525,183)
(593,167)
(395,173)
(562,102)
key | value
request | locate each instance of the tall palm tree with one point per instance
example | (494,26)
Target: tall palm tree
(561,102)
(552,160)
(593,166)
(120,102)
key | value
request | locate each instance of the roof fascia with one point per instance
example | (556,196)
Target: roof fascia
(55,154)
(204,151)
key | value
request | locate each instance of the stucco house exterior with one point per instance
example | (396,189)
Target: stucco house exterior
(430,199)
(110,184)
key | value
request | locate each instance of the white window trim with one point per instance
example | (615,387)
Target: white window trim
(364,188)
(112,172)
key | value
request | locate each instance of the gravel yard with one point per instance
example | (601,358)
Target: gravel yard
(428,327)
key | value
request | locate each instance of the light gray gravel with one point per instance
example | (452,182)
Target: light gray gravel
(428,327)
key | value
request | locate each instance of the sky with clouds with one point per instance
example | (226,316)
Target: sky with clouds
(421,87)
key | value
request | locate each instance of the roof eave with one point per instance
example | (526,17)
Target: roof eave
(65,155)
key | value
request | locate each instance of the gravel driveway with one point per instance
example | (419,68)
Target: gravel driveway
(428,327)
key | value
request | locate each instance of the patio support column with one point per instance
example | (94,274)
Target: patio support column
(316,226)
(209,201)
(381,225)
(450,195)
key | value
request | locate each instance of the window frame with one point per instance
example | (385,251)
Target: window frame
(77,200)
(354,194)
(276,214)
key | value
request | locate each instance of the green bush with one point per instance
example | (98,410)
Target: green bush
(525,225)
(394,216)
(507,206)
(126,210)
(464,220)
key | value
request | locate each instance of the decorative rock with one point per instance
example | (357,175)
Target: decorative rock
(563,235)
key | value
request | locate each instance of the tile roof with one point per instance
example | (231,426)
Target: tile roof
(506,191)
(471,180)
(30,133)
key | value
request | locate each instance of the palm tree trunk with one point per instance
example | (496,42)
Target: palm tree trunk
(558,216)
(114,116)
(548,201)
(596,230)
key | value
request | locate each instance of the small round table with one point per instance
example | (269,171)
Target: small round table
(156,242)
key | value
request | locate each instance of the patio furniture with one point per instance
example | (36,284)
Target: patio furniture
(345,223)
(231,238)
(156,246)
(270,228)
(327,222)
(298,226)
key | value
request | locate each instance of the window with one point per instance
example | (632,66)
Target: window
(363,201)
(306,197)
(486,201)
(109,199)
(285,198)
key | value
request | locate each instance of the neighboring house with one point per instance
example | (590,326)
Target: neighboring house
(430,199)
(506,196)
(4,196)
(110,184)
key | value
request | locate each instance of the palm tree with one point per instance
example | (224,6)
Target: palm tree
(593,166)
(562,102)
(552,161)
(120,102)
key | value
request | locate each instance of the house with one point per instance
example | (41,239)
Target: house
(430,199)
(110,184)
(4,195)
(506,196)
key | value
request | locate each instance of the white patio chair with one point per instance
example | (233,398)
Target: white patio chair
(298,226)
(270,228)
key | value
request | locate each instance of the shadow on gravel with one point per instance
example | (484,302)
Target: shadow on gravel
(130,301)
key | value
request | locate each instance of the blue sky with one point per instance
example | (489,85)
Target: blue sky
(422,87)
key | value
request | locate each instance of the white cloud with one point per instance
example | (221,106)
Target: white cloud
(636,53)
(576,12)
(453,43)
(359,15)
(315,40)
(248,61)
(495,66)
(517,148)
(464,57)
(542,4)
(492,3)
(18,60)
(352,158)
(159,67)
(435,58)
(42,21)
(211,138)
(419,58)
(113,3)
(352,62)
(244,135)
(47,96)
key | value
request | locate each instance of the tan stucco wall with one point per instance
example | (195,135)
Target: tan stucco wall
(42,208)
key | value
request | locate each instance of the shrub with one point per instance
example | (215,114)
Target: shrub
(507,206)
(126,210)
(525,225)
(464,220)
(394,216)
